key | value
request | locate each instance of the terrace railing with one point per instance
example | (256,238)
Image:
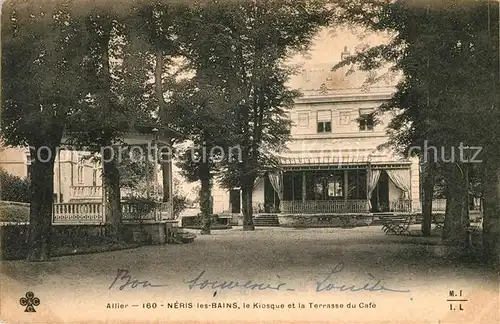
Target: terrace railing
(325,206)
(401,205)
(438,205)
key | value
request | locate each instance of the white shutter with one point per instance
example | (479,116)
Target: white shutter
(324,115)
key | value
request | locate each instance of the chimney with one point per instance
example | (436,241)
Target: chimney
(345,54)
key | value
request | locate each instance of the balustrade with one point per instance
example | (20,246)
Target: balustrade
(325,206)
(77,212)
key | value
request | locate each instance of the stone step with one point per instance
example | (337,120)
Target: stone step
(266,220)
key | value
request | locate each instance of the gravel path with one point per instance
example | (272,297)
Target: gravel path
(307,265)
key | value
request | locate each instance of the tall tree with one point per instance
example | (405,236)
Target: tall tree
(155,27)
(445,74)
(42,57)
(200,111)
(245,45)
(98,125)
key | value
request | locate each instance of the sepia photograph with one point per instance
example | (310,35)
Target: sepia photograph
(250,161)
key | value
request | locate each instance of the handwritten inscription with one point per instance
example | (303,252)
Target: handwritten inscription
(327,285)
(331,282)
(125,279)
(229,284)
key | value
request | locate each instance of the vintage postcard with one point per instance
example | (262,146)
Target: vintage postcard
(250,161)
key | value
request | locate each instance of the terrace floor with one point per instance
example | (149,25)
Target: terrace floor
(307,265)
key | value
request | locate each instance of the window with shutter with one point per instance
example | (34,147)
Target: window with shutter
(324,121)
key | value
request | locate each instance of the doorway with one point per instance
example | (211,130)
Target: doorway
(380,195)
(235,201)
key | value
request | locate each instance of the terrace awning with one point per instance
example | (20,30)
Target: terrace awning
(342,161)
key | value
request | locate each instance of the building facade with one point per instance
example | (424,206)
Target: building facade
(334,163)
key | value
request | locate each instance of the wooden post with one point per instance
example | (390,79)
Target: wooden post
(59,176)
(368,174)
(241,200)
(170,188)
(346,183)
(303,186)
(103,196)
(148,178)
(410,196)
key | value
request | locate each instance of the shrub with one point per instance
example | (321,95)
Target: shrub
(141,207)
(14,213)
(13,242)
(13,188)
(180,204)
(180,201)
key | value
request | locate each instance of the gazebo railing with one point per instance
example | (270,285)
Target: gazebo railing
(78,213)
(74,213)
(325,206)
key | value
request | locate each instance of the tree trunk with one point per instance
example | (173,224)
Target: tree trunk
(246,193)
(41,200)
(429,179)
(166,166)
(111,181)
(457,212)
(205,194)
(491,213)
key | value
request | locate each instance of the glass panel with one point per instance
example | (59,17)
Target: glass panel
(318,188)
(310,186)
(335,186)
(287,186)
(328,127)
(353,185)
(356,184)
(297,186)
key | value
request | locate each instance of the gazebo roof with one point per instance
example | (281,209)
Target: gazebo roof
(143,134)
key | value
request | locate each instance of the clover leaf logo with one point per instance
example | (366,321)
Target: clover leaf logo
(30,301)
